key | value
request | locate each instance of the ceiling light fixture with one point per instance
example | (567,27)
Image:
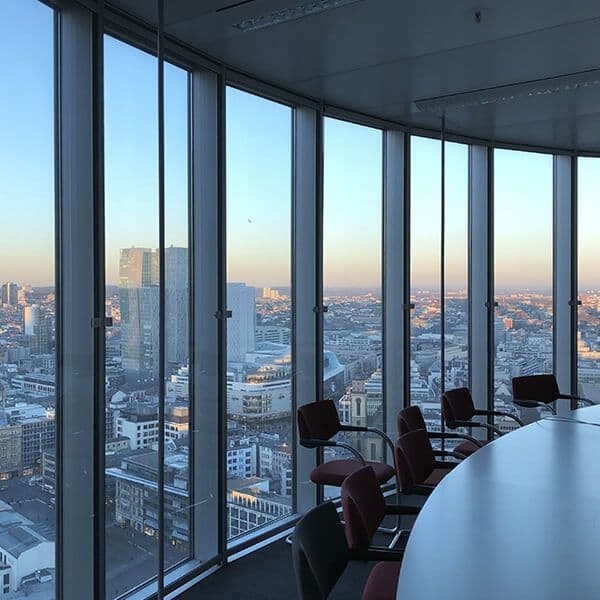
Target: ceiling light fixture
(515,91)
(291,14)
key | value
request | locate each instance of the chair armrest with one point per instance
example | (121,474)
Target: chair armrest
(499,413)
(374,430)
(402,509)
(534,404)
(448,453)
(586,401)
(311,443)
(487,426)
(443,435)
(377,553)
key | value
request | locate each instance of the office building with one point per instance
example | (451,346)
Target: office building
(9,294)
(176,304)
(139,307)
(241,326)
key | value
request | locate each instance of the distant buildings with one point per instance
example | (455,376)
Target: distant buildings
(139,306)
(250,504)
(242,324)
(26,550)
(136,494)
(37,328)
(9,294)
(139,423)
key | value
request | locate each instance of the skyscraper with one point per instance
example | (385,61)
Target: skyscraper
(241,326)
(176,304)
(37,327)
(139,301)
(9,294)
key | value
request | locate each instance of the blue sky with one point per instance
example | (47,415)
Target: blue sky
(258,180)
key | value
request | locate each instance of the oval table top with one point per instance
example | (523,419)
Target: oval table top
(519,519)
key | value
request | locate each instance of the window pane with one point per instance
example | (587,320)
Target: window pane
(352,327)
(425,278)
(259,360)
(523,271)
(588,317)
(456,255)
(177,319)
(27,297)
(132,299)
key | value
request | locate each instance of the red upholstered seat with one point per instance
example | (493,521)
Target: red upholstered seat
(335,471)
(467,448)
(382,582)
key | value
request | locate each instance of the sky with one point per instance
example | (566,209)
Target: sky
(258,181)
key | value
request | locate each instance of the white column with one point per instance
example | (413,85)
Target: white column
(395,288)
(78,495)
(306,343)
(480,275)
(565,288)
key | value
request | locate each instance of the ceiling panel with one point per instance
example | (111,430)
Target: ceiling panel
(380,56)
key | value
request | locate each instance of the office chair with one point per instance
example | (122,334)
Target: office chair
(418,470)
(320,555)
(540,391)
(411,419)
(318,422)
(458,410)
(364,510)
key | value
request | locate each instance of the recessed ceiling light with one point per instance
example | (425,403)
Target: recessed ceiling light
(515,91)
(291,14)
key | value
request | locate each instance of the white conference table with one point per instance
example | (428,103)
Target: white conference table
(519,519)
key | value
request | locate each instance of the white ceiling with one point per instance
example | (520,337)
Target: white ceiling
(379,56)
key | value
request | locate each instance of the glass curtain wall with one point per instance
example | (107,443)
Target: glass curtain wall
(425,278)
(456,257)
(133,301)
(27,296)
(426,336)
(588,314)
(259,458)
(523,246)
(352,263)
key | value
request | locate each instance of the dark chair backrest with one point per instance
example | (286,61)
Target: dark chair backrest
(319,552)
(410,419)
(457,405)
(318,420)
(364,507)
(414,452)
(539,388)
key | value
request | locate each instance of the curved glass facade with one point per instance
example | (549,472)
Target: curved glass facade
(275,212)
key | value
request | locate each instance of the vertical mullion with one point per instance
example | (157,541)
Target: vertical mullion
(205,423)
(406,270)
(480,273)
(394,349)
(221,313)
(99,302)
(574,262)
(491,297)
(162,298)
(318,307)
(443,260)
(564,273)
(305,290)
